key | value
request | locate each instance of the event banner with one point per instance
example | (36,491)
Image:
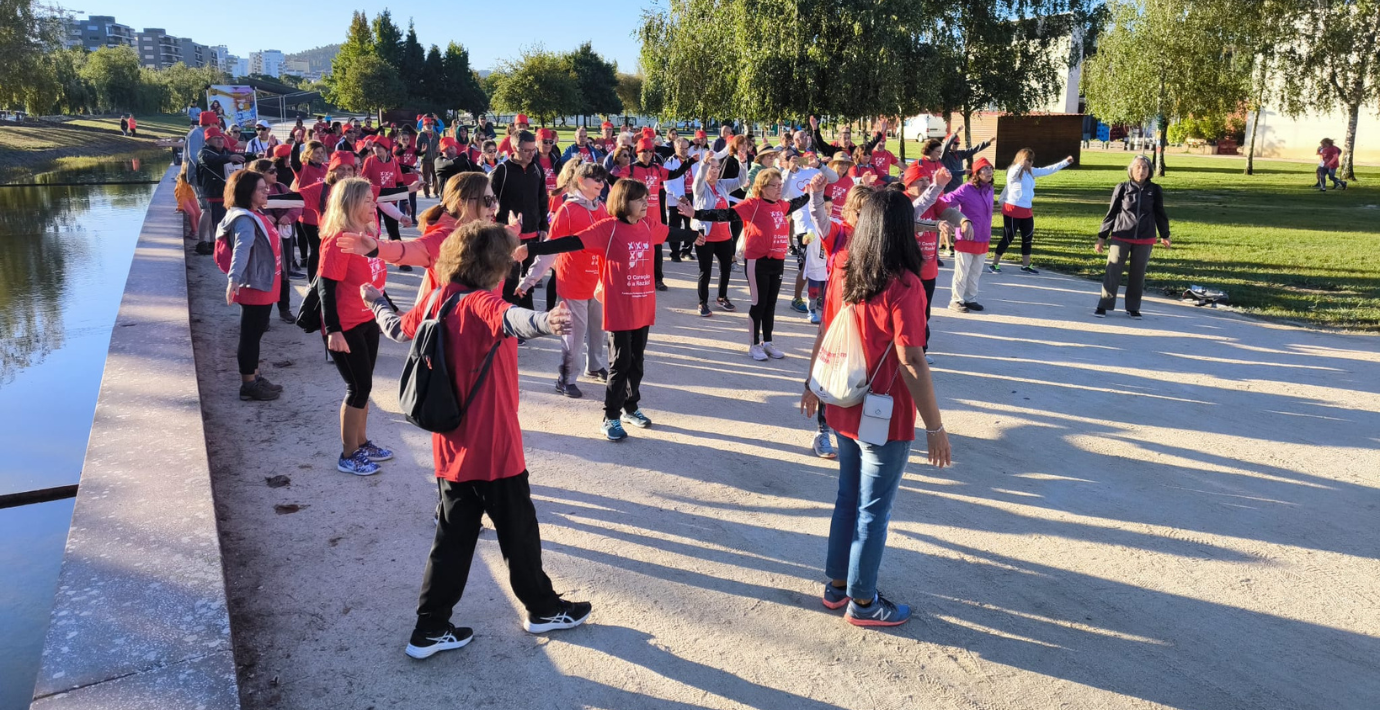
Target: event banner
(237,105)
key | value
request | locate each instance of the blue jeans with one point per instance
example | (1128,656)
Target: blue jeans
(868,477)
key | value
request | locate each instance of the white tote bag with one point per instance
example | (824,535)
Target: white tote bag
(839,376)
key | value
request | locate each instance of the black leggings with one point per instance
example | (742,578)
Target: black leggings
(624,390)
(1009,226)
(764,282)
(707,253)
(515,276)
(392,226)
(310,244)
(253,323)
(357,366)
(929,301)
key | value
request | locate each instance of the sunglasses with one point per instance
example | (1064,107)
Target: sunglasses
(488,200)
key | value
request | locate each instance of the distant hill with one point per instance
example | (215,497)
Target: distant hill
(319,59)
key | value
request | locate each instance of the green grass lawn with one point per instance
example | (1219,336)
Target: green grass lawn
(161,125)
(1279,248)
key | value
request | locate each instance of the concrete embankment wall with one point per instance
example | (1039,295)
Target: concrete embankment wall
(140,618)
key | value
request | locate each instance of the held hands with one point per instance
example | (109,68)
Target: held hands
(352,243)
(520,253)
(336,342)
(369,293)
(415,187)
(559,319)
(818,183)
(867,179)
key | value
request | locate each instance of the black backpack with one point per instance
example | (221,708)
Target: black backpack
(426,391)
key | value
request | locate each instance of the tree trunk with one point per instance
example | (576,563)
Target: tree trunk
(1353,114)
(1255,130)
(1160,145)
(968,133)
(901,136)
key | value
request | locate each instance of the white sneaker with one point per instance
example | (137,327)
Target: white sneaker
(772,352)
(757,352)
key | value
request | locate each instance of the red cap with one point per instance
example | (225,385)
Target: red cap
(208,118)
(606,124)
(980,164)
(646,144)
(648,132)
(341,158)
(701,135)
(428,121)
(546,134)
(282,150)
(449,142)
(383,142)
(213,132)
(915,171)
(521,118)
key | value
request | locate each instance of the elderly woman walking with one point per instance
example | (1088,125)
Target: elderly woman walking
(1136,213)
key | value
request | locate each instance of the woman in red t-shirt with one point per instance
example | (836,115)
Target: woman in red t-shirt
(311,172)
(255,266)
(577,276)
(881,283)
(480,464)
(351,334)
(627,281)
(766,234)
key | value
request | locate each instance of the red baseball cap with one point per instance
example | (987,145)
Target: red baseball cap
(701,135)
(213,132)
(383,142)
(980,164)
(449,142)
(646,144)
(208,118)
(282,150)
(521,118)
(606,124)
(546,134)
(341,158)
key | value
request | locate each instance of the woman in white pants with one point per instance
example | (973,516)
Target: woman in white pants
(577,277)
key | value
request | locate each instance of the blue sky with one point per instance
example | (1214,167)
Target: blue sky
(297,25)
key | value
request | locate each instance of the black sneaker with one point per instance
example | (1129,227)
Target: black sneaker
(258,390)
(285,315)
(675,256)
(571,614)
(405,269)
(204,248)
(727,305)
(1134,314)
(1028,270)
(602,375)
(661,285)
(704,310)
(1100,312)
(569,390)
(263,381)
(428,644)
(974,306)
(938,262)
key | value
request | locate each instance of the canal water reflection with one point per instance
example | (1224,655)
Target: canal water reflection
(64,254)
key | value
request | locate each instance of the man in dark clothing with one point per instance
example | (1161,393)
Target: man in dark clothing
(211,173)
(427,150)
(954,158)
(451,162)
(520,185)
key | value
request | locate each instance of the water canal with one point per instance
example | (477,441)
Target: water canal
(65,249)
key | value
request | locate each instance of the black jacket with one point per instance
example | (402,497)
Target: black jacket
(521,190)
(1136,212)
(211,171)
(448,167)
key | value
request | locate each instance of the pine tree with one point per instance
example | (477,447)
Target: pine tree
(359,42)
(434,87)
(388,43)
(413,67)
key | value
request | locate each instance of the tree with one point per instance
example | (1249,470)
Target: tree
(596,82)
(1334,63)
(28,31)
(462,89)
(359,42)
(186,85)
(369,84)
(1166,59)
(413,67)
(434,87)
(630,88)
(388,40)
(539,83)
(113,75)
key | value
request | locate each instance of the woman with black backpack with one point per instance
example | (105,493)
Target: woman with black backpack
(480,467)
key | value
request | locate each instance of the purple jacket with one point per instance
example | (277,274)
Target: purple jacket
(976,204)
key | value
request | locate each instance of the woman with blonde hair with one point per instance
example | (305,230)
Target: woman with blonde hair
(352,336)
(1016,200)
(1133,218)
(480,466)
(766,234)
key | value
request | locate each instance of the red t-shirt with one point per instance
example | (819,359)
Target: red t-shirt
(858,171)
(896,314)
(837,193)
(548,168)
(627,276)
(350,271)
(1016,211)
(766,228)
(254,297)
(719,231)
(487,446)
(835,242)
(882,160)
(577,272)
(379,173)
(309,177)
(1330,156)
(586,151)
(929,242)
(505,146)
(407,157)
(605,145)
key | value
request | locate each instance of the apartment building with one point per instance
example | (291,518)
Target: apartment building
(98,31)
